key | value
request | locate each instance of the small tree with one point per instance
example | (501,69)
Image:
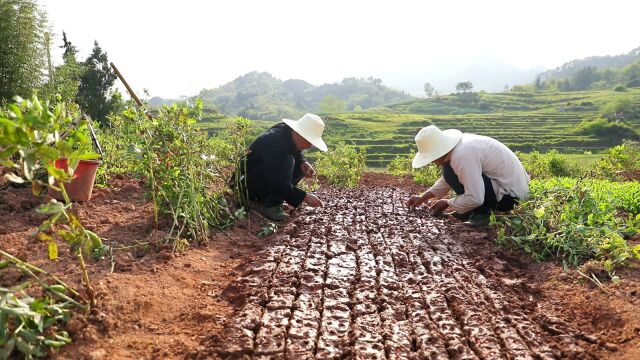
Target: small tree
(332,104)
(65,80)
(342,166)
(23,55)
(428,89)
(538,83)
(464,86)
(95,83)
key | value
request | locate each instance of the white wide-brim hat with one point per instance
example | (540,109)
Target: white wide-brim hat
(310,127)
(434,143)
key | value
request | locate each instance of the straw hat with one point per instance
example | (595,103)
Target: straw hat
(434,143)
(310,127)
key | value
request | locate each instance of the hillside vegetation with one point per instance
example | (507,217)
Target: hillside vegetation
(570,122)
(259,95)
(609,61)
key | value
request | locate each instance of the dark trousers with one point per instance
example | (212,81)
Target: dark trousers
(261,190)
(490,202)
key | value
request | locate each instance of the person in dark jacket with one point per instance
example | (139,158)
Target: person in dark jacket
(275,165)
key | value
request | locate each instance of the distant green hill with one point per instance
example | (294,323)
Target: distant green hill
(259,95)
(523,121)
(609,61)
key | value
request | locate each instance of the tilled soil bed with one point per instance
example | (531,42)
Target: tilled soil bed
(364,278)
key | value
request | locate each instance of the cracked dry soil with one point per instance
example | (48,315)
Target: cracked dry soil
(364,278)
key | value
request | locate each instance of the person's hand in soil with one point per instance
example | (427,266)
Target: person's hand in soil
(417,200)
(312,200)
(439,206)
(308,170)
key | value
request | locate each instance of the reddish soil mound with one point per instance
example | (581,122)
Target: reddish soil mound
(155,304)
(358,278)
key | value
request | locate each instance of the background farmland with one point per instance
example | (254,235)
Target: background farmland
(524,121)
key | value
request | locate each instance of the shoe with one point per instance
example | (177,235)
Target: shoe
(274,213)
(478,220)
(461,216)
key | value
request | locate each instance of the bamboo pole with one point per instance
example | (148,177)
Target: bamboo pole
(133,95)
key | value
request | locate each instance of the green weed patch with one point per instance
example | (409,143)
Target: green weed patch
(575,221)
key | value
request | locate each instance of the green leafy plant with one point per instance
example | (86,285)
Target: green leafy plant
(401,165)
(230,149)
(31,139)
(343,165)
(621,162)
(550,164)
(30,324)
(575,220)
(309,184)
(268,230)
(185,179)
(426,175)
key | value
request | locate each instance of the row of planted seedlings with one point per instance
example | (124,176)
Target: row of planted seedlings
(185,174)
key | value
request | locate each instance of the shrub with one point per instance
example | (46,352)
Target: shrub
(622,106)
(342,166)
(180,169)
(30,325)
(426,175)
(575,220)
(620,88)
(401,165)
(31,142)
(621,162)
(548,165)
(614,132)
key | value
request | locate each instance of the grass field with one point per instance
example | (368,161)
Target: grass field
(523,121)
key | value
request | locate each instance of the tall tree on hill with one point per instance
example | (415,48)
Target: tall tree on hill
(584,78)
(539,85)
(464,86)
(428,89)
(69,48)
(332,104)
(64,83)
(23,55)
(631,74)
(95,83)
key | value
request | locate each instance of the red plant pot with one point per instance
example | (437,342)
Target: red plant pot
(81,187)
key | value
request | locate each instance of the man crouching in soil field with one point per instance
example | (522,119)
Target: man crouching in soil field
(482,171)
(275,165)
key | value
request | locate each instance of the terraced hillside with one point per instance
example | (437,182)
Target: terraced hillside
(524,122)
(388,135)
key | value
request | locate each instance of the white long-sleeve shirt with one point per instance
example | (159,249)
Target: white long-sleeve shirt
(477,155)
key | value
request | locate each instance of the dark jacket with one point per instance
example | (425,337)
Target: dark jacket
(271,163)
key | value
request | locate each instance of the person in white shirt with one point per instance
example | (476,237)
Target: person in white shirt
(483,172)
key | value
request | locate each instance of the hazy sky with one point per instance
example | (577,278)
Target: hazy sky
(176,48)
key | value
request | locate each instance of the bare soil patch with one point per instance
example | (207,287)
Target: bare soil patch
(358,278)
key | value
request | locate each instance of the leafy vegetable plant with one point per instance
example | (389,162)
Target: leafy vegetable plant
(343,165)
(32,138)
(576,220)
